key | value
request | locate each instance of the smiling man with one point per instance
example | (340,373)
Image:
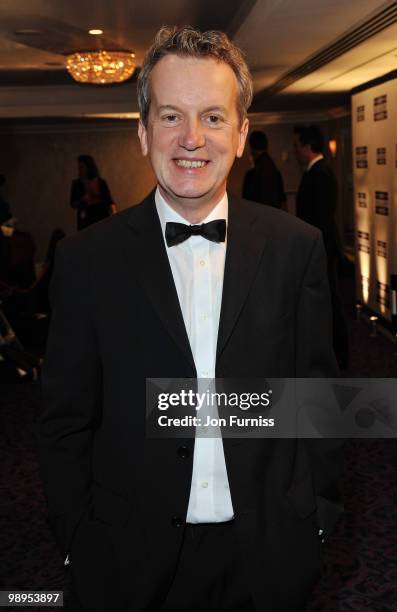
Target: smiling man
(191,283)
(193,133)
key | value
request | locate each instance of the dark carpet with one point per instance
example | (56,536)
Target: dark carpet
(361,556)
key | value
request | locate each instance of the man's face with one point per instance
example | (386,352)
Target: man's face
(193,133)
(302,152)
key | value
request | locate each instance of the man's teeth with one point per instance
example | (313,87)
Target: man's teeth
(190,164)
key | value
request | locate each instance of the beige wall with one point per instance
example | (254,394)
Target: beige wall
(39,162)
(40,165)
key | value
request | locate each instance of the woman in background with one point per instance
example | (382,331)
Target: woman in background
(90,195)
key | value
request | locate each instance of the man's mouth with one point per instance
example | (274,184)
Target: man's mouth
(191,163)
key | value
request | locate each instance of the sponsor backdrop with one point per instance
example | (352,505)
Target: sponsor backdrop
(374,122)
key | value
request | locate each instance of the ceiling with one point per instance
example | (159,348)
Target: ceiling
(298,50)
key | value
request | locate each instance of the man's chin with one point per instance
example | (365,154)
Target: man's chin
(185,195)
(192,196)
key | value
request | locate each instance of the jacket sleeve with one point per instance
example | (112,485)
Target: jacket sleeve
(71,386)
(315,359)
(324,195)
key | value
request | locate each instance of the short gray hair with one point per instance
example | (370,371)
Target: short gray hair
(187,41)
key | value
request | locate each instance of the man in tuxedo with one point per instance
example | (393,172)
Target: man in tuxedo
(316,203)
(190,283)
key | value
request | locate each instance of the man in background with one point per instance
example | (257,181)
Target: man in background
(316,203)
(263,183)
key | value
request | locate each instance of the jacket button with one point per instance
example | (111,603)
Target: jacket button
(183,452)
(177,521)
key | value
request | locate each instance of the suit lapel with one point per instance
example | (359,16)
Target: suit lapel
(245,245)
(155,272)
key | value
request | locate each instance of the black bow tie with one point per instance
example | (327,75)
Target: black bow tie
(175,233)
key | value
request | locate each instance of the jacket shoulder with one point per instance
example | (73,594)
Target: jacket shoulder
(321,168)
(103,234)
(279,223)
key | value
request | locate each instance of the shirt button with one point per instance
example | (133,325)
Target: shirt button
(202,263)
(204,485)
(177,521)
(183,452)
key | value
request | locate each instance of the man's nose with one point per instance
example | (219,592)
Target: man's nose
(192,134)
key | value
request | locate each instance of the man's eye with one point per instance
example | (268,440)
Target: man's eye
(170,118)
(213,119)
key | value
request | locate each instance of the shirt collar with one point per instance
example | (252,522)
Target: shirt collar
(314,161)
(167,214)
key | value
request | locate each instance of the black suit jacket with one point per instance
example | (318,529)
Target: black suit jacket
(117,500)
(316,203)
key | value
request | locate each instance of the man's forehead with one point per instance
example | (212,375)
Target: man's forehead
(181,59)
(174,66)
(176,79)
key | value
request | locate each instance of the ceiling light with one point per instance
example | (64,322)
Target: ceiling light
(101,67)
(27,31)
(332,145)
(112,115)
(95,32)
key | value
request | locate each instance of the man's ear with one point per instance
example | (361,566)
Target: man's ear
(142,133)
(242,137)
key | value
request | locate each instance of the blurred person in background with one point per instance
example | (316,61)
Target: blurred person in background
(90,194)
(263,183)
(6,218)
(316,203)
(17,250)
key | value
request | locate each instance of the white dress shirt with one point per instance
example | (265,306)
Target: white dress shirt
(314,161)
(197,267)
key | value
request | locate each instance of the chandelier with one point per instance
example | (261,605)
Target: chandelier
(101,67)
